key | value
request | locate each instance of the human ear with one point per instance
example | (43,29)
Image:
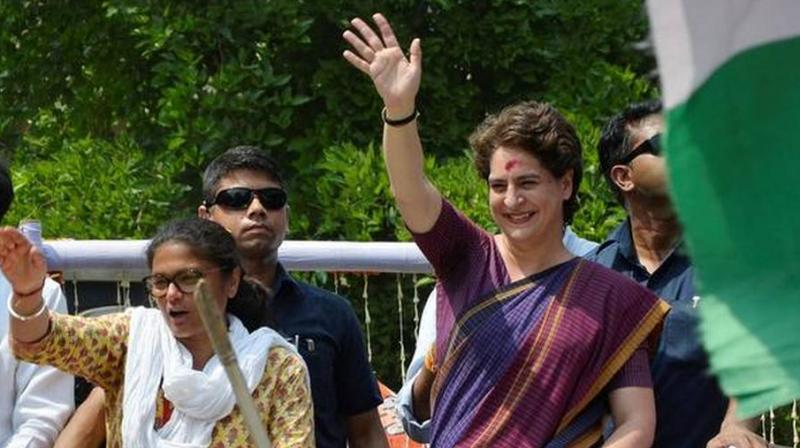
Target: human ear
(203,213)
(621,176)
(566,185)
(288,216)
(233,282)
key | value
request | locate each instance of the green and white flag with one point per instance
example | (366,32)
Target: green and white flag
(730,71)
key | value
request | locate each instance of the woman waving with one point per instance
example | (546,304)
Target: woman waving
(534,346)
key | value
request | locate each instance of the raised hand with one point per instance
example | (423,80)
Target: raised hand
(396,77)
(22,263)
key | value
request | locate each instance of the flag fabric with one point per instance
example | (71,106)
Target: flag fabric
(730,72)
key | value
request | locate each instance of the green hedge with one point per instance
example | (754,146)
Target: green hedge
(111,109)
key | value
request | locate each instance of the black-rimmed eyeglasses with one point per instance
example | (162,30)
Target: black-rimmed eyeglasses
(186,281)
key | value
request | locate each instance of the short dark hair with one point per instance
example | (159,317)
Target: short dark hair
(235,159)
(213,243)
(615,141)
(541,131)
(6,189)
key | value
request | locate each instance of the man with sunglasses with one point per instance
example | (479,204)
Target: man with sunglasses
(244,192)
(691,409)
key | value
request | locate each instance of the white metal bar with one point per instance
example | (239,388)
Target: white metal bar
(115,259)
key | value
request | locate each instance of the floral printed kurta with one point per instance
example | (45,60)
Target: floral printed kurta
(95,349)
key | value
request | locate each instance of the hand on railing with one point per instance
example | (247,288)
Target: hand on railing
(737,436)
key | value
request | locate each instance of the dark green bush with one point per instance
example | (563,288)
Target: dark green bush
(110,109)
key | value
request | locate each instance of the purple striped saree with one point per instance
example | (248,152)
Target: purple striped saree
(527,364)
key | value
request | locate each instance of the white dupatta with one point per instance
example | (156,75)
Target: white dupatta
(200,397)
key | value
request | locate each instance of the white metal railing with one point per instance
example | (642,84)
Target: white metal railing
(113,259)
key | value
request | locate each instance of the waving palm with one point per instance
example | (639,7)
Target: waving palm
(22,263)
(396,77)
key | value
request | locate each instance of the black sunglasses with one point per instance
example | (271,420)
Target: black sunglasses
(649,146)
(240,198)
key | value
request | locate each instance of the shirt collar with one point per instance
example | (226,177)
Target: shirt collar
(283,281)
(622,236)
(624,239)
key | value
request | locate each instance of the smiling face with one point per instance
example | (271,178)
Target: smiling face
(526,200)
(258,231)
(173,260)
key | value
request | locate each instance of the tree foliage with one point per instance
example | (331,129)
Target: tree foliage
(111,109)
(176,83)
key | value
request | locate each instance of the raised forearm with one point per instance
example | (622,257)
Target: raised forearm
(35,327)
(418,200)
(396,78)
(403,154)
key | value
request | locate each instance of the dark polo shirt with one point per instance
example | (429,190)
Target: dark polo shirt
(689,403)
(329,338)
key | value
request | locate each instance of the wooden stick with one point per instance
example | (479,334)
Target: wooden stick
(214,322)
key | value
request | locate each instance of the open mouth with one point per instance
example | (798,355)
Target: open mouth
(177,314)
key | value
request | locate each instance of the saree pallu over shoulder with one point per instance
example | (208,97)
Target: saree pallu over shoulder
(527,366)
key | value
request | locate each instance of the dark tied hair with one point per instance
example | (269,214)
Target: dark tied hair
(615,141)
(541,131)
(235,159)
(210,241)
(6,189)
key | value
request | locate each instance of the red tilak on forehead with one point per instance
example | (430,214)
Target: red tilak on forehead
(511,164)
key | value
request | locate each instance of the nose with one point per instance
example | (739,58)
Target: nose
(173,293)
(511,197)
(256,208)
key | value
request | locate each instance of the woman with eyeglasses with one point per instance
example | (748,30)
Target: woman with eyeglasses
(164,385)
(533,345)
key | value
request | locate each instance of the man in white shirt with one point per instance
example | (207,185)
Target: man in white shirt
(35,401)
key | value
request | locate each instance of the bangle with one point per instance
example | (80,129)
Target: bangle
(28,317)
(27,294)
(400,122)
